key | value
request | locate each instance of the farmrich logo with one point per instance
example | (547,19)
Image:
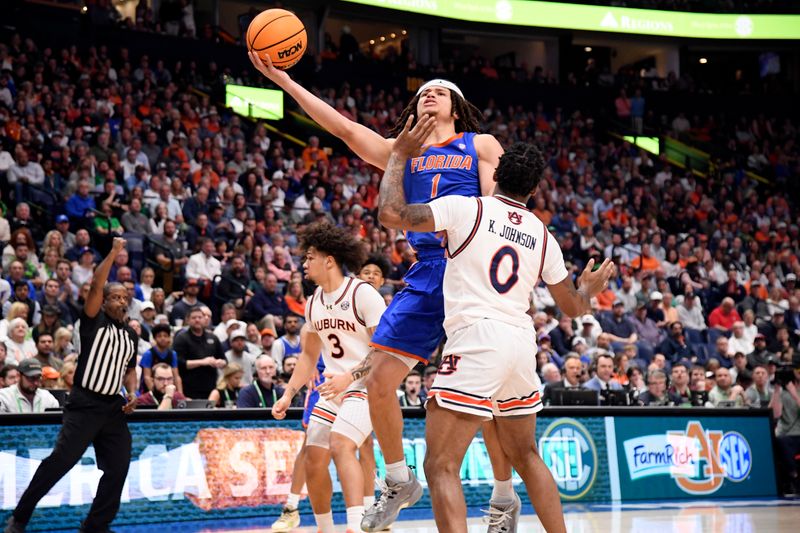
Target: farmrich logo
(698,460)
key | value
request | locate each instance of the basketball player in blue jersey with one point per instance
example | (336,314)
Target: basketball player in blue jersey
(458,161)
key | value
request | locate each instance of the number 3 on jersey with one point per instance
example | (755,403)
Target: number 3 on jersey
(337,351)
(513,278)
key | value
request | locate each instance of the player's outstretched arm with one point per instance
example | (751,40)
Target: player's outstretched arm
(577,301)
(393,210)
(367,144)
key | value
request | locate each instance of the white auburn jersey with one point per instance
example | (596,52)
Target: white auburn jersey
(342,319)
(497,251)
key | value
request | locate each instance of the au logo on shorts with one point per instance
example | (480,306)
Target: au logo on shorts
(568,450)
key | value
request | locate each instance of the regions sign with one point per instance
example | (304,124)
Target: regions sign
(603,18)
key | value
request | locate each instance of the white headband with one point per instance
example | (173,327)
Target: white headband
(441,83)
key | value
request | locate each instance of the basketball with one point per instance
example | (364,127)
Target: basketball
(279,34)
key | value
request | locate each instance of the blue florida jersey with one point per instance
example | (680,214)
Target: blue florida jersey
(445,169)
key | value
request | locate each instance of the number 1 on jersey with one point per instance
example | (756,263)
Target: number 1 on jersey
(435,185)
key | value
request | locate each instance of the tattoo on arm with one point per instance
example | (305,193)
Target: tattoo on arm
(363,369)
(392,197)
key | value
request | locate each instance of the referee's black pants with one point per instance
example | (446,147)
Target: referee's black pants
(89,418)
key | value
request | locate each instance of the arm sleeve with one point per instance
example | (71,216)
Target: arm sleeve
(553,271)
(369,304)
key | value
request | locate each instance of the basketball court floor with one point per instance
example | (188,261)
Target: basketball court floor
(726,516)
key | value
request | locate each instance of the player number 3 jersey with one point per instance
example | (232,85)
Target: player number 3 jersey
(342,320)
(498,249)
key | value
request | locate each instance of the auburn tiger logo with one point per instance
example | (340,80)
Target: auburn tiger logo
(514,218)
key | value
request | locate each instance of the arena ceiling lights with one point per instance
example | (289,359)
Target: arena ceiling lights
(603,19)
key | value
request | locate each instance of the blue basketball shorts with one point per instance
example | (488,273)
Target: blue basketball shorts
(412,324)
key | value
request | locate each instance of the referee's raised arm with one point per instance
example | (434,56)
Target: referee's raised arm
(94,300)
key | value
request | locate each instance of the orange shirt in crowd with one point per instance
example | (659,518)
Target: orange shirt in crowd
(645,263)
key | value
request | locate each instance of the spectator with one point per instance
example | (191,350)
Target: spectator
(550,374)
(203,266)
(645,328)
(618,326)
(603,378)
(656,393)
(26,396)
(234,282)
(725,393)
(23,174)
(163,391)
(289,343)
(724,316)
(18,346)
(785,405)
(66,378)
(760,356)
(571,381)
(44,352)
(690,312)
(679,383)
(239,356)
(133,220)
(262,393)
(226,392)
(199,356)
(759,394)
(675,347)
(187,302)
(739,372)
(267,301)
(9,374)
(81,204)
(562,335)
(411,395)
(738,342)
(160,353)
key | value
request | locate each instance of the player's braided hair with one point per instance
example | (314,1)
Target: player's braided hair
(328,239)
(468,115)
(520,169)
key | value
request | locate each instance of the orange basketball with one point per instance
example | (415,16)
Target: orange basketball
(279,34)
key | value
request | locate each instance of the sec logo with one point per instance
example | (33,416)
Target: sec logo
(568,450)
(735,456)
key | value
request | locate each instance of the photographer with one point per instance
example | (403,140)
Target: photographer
(785,406)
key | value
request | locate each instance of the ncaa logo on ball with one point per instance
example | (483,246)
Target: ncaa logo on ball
(735,456)
(286,52)
(568,450)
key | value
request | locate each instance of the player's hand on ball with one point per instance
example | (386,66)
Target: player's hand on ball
(280,407)
(265,67)
(595,282)
(409,142)
(334,385)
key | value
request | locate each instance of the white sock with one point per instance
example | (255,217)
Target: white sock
(293,501)
(369,501)
(354,516)
(397,472)
(503,491)
(325,522)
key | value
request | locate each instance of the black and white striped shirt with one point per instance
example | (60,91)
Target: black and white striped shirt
(108,350)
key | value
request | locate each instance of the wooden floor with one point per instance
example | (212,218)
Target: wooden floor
(760,516)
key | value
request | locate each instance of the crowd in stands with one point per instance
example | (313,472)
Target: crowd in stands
(96,143)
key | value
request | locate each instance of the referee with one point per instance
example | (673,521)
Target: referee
(95,411)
